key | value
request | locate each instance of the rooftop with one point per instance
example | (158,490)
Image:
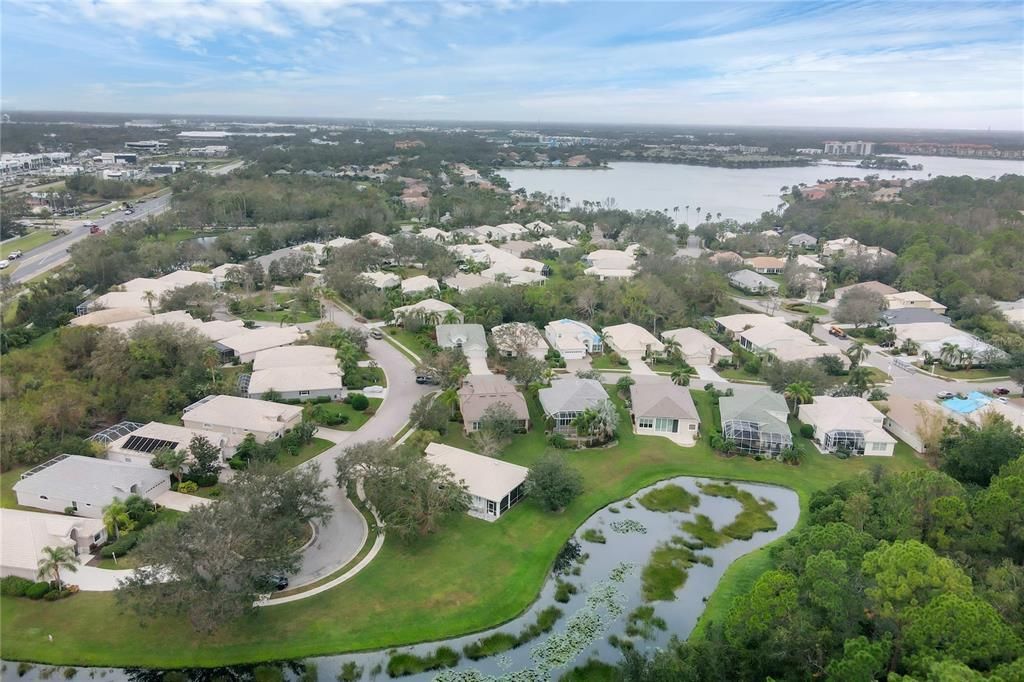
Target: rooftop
(466,336)
(571,395)
(296,378)
(484,477)
(242,413)
(294,356)
(662,399)
(88,478)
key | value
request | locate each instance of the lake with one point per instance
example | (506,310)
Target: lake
(739,193)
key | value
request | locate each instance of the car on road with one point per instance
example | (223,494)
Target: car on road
(376,334)
(95,229)
(15,255)
(837,332)
(425,379)
(999,390)
(944,395)
(4,264)
(277,582)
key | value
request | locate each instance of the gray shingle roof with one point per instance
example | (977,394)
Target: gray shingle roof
(571,395)
(762,407)
(748,279)
(662,399)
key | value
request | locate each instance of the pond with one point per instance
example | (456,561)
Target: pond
(640,554)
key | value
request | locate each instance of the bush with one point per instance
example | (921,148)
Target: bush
(14,586)
(188,487)
(752,367)
(23,668)
(360,402)
(121,546)
(557,440)
(321,399)
(807,431)
(37,590)
(237,463)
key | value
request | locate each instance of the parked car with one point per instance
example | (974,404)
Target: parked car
(837,332)
(276,582)
(999,390)
(425,379)
(376,334)
(944,395)
(4,264)
(95,229)
(15,255)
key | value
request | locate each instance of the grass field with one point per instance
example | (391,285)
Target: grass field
(431,588)
(355,419)
(306,453)
(409,340)
(26,242)
(8,478)
(966,374)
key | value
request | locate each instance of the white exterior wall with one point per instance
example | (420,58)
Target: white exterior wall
(688,431)
(90,507)
(909,437)
(332,393)
(239,433)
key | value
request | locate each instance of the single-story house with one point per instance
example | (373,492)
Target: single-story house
(181,278)
(850,424)
(913,299)
(566,398)
(302,382)
(764,337)
(493,485)
(430,311)
(215,330)
(611,259)
(732,325)
(420,284)
(873,285)
(609,273)
(24,535)
(87,484)
(766,265)
(377,239)
(294,356)
(434,234)
(755,421)
(554,242)
(178,317)
(539,227)
(1013,311)
(932,337)
(136,300)
(906,418)
(811,262)
(517,247)
(573,339)
(236,417)
(249,342)
(139,446)
(466,281)
(382,280)
(802,240)
(514,337)
(660,408)
(729,258)
(340,242)
(632,341)
(512,229)
(911,316)
(512,273)
(468,337)
(480,391)
(752,282)
(696,347)
(107,316)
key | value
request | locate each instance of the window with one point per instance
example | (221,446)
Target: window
(492,508)
(665,425)
(693,427)
(303,393)
(645,422)
(475,426)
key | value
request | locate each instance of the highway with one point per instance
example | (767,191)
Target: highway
(55,253)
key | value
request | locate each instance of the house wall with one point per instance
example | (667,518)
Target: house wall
(909,437)
(332,393)
(88,506)
(240,433)
(472,427)
(688,430)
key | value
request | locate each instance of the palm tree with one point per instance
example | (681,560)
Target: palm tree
(800,392)
(288,317)
(211,360)
(673,348)
(948,353)
(856,353)
(910,347)
(54,560)
(680,377)
(451,317)
(967,358)
(860,379)
(449,397)
(116,518)
(149,297)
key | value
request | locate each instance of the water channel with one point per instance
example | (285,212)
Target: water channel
(609,588)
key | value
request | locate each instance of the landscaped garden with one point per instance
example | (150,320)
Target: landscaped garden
(432,587)
(343,416)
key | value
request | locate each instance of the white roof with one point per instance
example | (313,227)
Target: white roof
(569,334)
(339,242)
(378,239)
(126,299)
(845,414)
(296,378)
(554,242)
(172,433)
(737,323)
(911,298)
(427,305)
(172,317)
(146,284)
(695,341)
(434,234)
(215,330)
(257,416)
(514,274)
(924,332)
(294,356)
(609,273)
(261,338)
(514,229)
(221,271)
(611,259)
(106,316)
(465,281)
(1010,412)
(539,226)
(768,334)
(631,337)
(382,280)
(180,278)
(25,533)
(418,284)
(73,477)
(484,477)
(789,351)
(571,394)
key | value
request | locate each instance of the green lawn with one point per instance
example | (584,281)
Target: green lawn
(26,243)
(966,374)
(736,374)
(355,419)
(8,500)
(409,340)
(604,362)
(306,453)
(435,587)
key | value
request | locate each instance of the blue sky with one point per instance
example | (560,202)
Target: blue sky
(887,64)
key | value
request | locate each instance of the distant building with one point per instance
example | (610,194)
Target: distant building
(146,145)
(210,150)
(752,282)
(855,148)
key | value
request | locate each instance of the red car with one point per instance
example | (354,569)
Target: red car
(1000,391)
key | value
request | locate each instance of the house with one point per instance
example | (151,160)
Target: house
(182,278)
(493,485)
(215,330)
(139,446)
(539,227)
(572,339)
(517,247)
(108,316)
(515,337)
(660,408)
(429,311)
(611,259)
(731,325)
(510,273)
(766,265)
(764,337)
(755,422)
(464,281)
(481,391)
(248,342)
(221,272)
(751,282)
(696,347)
(554,242)
(382,280)
(848,424)
(1013,311)
(811,262)
(294,356)
(802,240)
(340,242)
(632,341)
(566,398)
(907,419)
(176,317)
(148,299)
(420,284)
(512,229)
(236,417)
(434,234)
(838,247)
(933,337)
(911,316)
(24,535)
(87,484)
(302,382)
(603,274)
(468,337)
(377,239)
(882,289)
(912,299)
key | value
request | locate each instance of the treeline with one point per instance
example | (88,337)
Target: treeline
(92,185)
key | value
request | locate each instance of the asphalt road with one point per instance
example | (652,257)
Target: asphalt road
(54,253)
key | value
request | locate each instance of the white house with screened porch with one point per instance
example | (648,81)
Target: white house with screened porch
(493,485)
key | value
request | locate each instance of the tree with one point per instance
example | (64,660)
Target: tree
(221,554)
(799,393)
(553,482)
(150,299)
(832,364)
(171,460)
(1017,377)
(781,374)
(856,353)
(860,379)
(204,457)
(116,518)
(447,367)
(973,454)
(949,354)
(859,306)
(430,414)
(680,377)
(55,560)
(526,370)
(500,421)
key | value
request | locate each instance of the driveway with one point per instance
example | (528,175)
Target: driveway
(180,501)
(478,364)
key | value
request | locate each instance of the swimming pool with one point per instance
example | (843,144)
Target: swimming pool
(973,401)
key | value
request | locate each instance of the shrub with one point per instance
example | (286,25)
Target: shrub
(70,672)
(557,440)
(752,367)
(52,595)
(321,399)
(237,463)
(188,487)
(14,586)
(37,590)
(564,591)
(69,511)
(807,431)
(360,402)
(350,672)
(23,668)
(121,546)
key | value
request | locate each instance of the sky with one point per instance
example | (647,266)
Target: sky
(852,64)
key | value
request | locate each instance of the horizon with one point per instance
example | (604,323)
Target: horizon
(897,66)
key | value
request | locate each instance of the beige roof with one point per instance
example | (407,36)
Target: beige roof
(261,338)
(905,411)
(924,332)
(790,352)
(296,378)
(426,306)
(611,259)
(419,283)
(484,477)
(695,341)
(631,337)
(106,316)
(215,330)
(873,285)
(845,414)
(662,398)
(554,242)
(512,228)
(809,262)
(609,273)
(179,317)
(517,247)
(465,281)
(539,226)
(377,238)
(221,271)
(1010,412)
(382,280)
(768,334)
(723,256)
(294,356)
(170,432)
(146,284)
(180,278)
(513,273)
(766,262)
(339,242)
(25,533)
(480,391)
(737,323)
(434,234)
(126,299)
(243,413)
(903,299)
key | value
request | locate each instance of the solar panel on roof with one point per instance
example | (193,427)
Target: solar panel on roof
(144,444)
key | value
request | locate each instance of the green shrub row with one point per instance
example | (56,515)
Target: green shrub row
(400,665)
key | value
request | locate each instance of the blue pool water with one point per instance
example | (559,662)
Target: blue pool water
(973,401)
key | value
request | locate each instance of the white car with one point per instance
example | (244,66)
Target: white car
(4,264)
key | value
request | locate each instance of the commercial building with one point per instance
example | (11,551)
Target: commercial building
(236,417)
(848,424)
(481,391)
(854,148)
(660,408)
(147,145)
(493,485)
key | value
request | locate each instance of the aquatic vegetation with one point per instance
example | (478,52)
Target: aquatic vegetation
(642,622)
(629,526)
(703,529)
(669,498)
(402,664)
(667,569)
(755,516)
(594,535)
(564,591)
